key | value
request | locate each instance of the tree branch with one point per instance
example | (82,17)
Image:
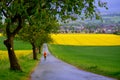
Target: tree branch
(8,30)
(20,22)
(4,13)
(8,3)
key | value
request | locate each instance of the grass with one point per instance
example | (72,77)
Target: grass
(18,44)
(24,54)
(27,64)
(98,59)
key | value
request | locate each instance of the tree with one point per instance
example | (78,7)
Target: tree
(17,12)
(45,38)
(36,36)
(37,33)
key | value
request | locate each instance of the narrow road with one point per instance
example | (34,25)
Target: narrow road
(54,69)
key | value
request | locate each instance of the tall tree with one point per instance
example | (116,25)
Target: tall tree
(38,33)
(17,12)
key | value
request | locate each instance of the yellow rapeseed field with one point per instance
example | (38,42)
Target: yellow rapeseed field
(0,34)
(19,53)
(86,39)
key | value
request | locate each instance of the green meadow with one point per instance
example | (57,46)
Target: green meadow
(103,60)
(18,44)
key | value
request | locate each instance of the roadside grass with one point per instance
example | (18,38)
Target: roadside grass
(24,55)
(27,64)
(103,60)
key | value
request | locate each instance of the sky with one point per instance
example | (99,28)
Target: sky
(113,6)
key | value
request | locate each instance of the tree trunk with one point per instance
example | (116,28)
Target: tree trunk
(34,51)
(39,49)
(14,65)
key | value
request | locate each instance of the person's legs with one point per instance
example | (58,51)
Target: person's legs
(45,57)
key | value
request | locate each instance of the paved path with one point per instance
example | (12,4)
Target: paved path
(54,69)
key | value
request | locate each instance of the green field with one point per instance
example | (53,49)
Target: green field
(26,62)
(103,60)
(18,44)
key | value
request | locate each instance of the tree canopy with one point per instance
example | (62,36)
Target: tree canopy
(36,36)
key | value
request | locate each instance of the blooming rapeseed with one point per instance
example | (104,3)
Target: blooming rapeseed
(86,39)
(0,34)
(19,53)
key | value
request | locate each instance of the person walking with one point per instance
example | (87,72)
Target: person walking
(45,55)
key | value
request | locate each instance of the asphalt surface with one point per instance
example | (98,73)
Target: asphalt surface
(54,69)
